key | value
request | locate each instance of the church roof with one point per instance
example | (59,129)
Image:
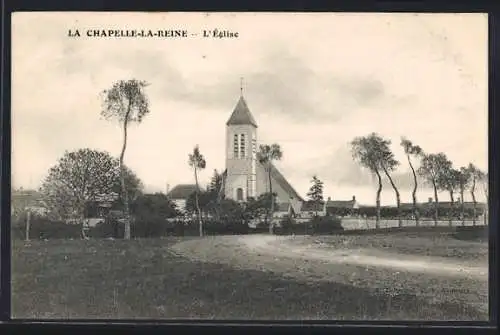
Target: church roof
(241,114)
(281,180)
(278,177)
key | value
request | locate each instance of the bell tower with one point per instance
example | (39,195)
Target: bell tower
(241,153)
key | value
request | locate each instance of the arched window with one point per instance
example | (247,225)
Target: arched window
(239,194)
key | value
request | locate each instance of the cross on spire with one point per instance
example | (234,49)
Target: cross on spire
(241,86)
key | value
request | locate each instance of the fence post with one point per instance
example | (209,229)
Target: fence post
(28,223)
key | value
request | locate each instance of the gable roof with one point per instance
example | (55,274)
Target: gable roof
(241,114)
(285,185)
(340,203)
(182,191)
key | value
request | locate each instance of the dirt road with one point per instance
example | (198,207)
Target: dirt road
(435,278)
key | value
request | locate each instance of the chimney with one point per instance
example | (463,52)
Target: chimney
(353,198)
(430,200)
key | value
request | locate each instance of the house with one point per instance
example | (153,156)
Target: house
(342,207)
(180,194)
(309,209)
(27,200)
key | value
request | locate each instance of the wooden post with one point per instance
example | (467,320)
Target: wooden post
(28,223)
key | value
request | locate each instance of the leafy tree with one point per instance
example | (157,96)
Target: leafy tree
(412,150)
(266,155)
(215,194)
(484,181)
(197,162)
(81,177)
(475,175)
(432,168)
(449,180)
(151,212)
(373,153)
(205,203)
(231,211)
(315,193)
(389,164)
(125,102)
(255,208)
(464,179)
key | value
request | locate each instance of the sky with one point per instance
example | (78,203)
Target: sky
(313,82)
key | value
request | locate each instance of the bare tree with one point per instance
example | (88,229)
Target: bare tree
(415,151)
(197,162)
(125,102)
(266,155)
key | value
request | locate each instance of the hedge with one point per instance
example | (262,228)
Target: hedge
(42,228)
(317,225)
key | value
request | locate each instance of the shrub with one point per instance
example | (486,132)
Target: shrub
(109,228)
(44,228)
(317,225)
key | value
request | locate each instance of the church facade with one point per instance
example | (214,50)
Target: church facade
(245,177)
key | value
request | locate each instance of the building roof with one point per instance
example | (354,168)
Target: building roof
(241,115)
(182,191)
(340,203)
(312,206)
(285,185)
(278,177)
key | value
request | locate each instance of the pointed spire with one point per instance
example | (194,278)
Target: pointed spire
(241,86)
(241,114)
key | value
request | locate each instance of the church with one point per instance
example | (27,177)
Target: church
(244,176)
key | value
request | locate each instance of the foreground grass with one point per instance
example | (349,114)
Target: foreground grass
(144,279)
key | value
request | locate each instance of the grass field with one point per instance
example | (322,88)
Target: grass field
(102,279)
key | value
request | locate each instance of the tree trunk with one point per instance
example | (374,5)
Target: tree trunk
(414,193)
(462,205)
(200,222)
(436,204)
(398,198)
(377,203)
(122,178)
(272,201)
(474,203)
(452,209)
(28,224)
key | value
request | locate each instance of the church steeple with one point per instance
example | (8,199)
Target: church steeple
(241,115)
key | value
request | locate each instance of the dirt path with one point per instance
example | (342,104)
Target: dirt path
(435,279)
(285,246)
